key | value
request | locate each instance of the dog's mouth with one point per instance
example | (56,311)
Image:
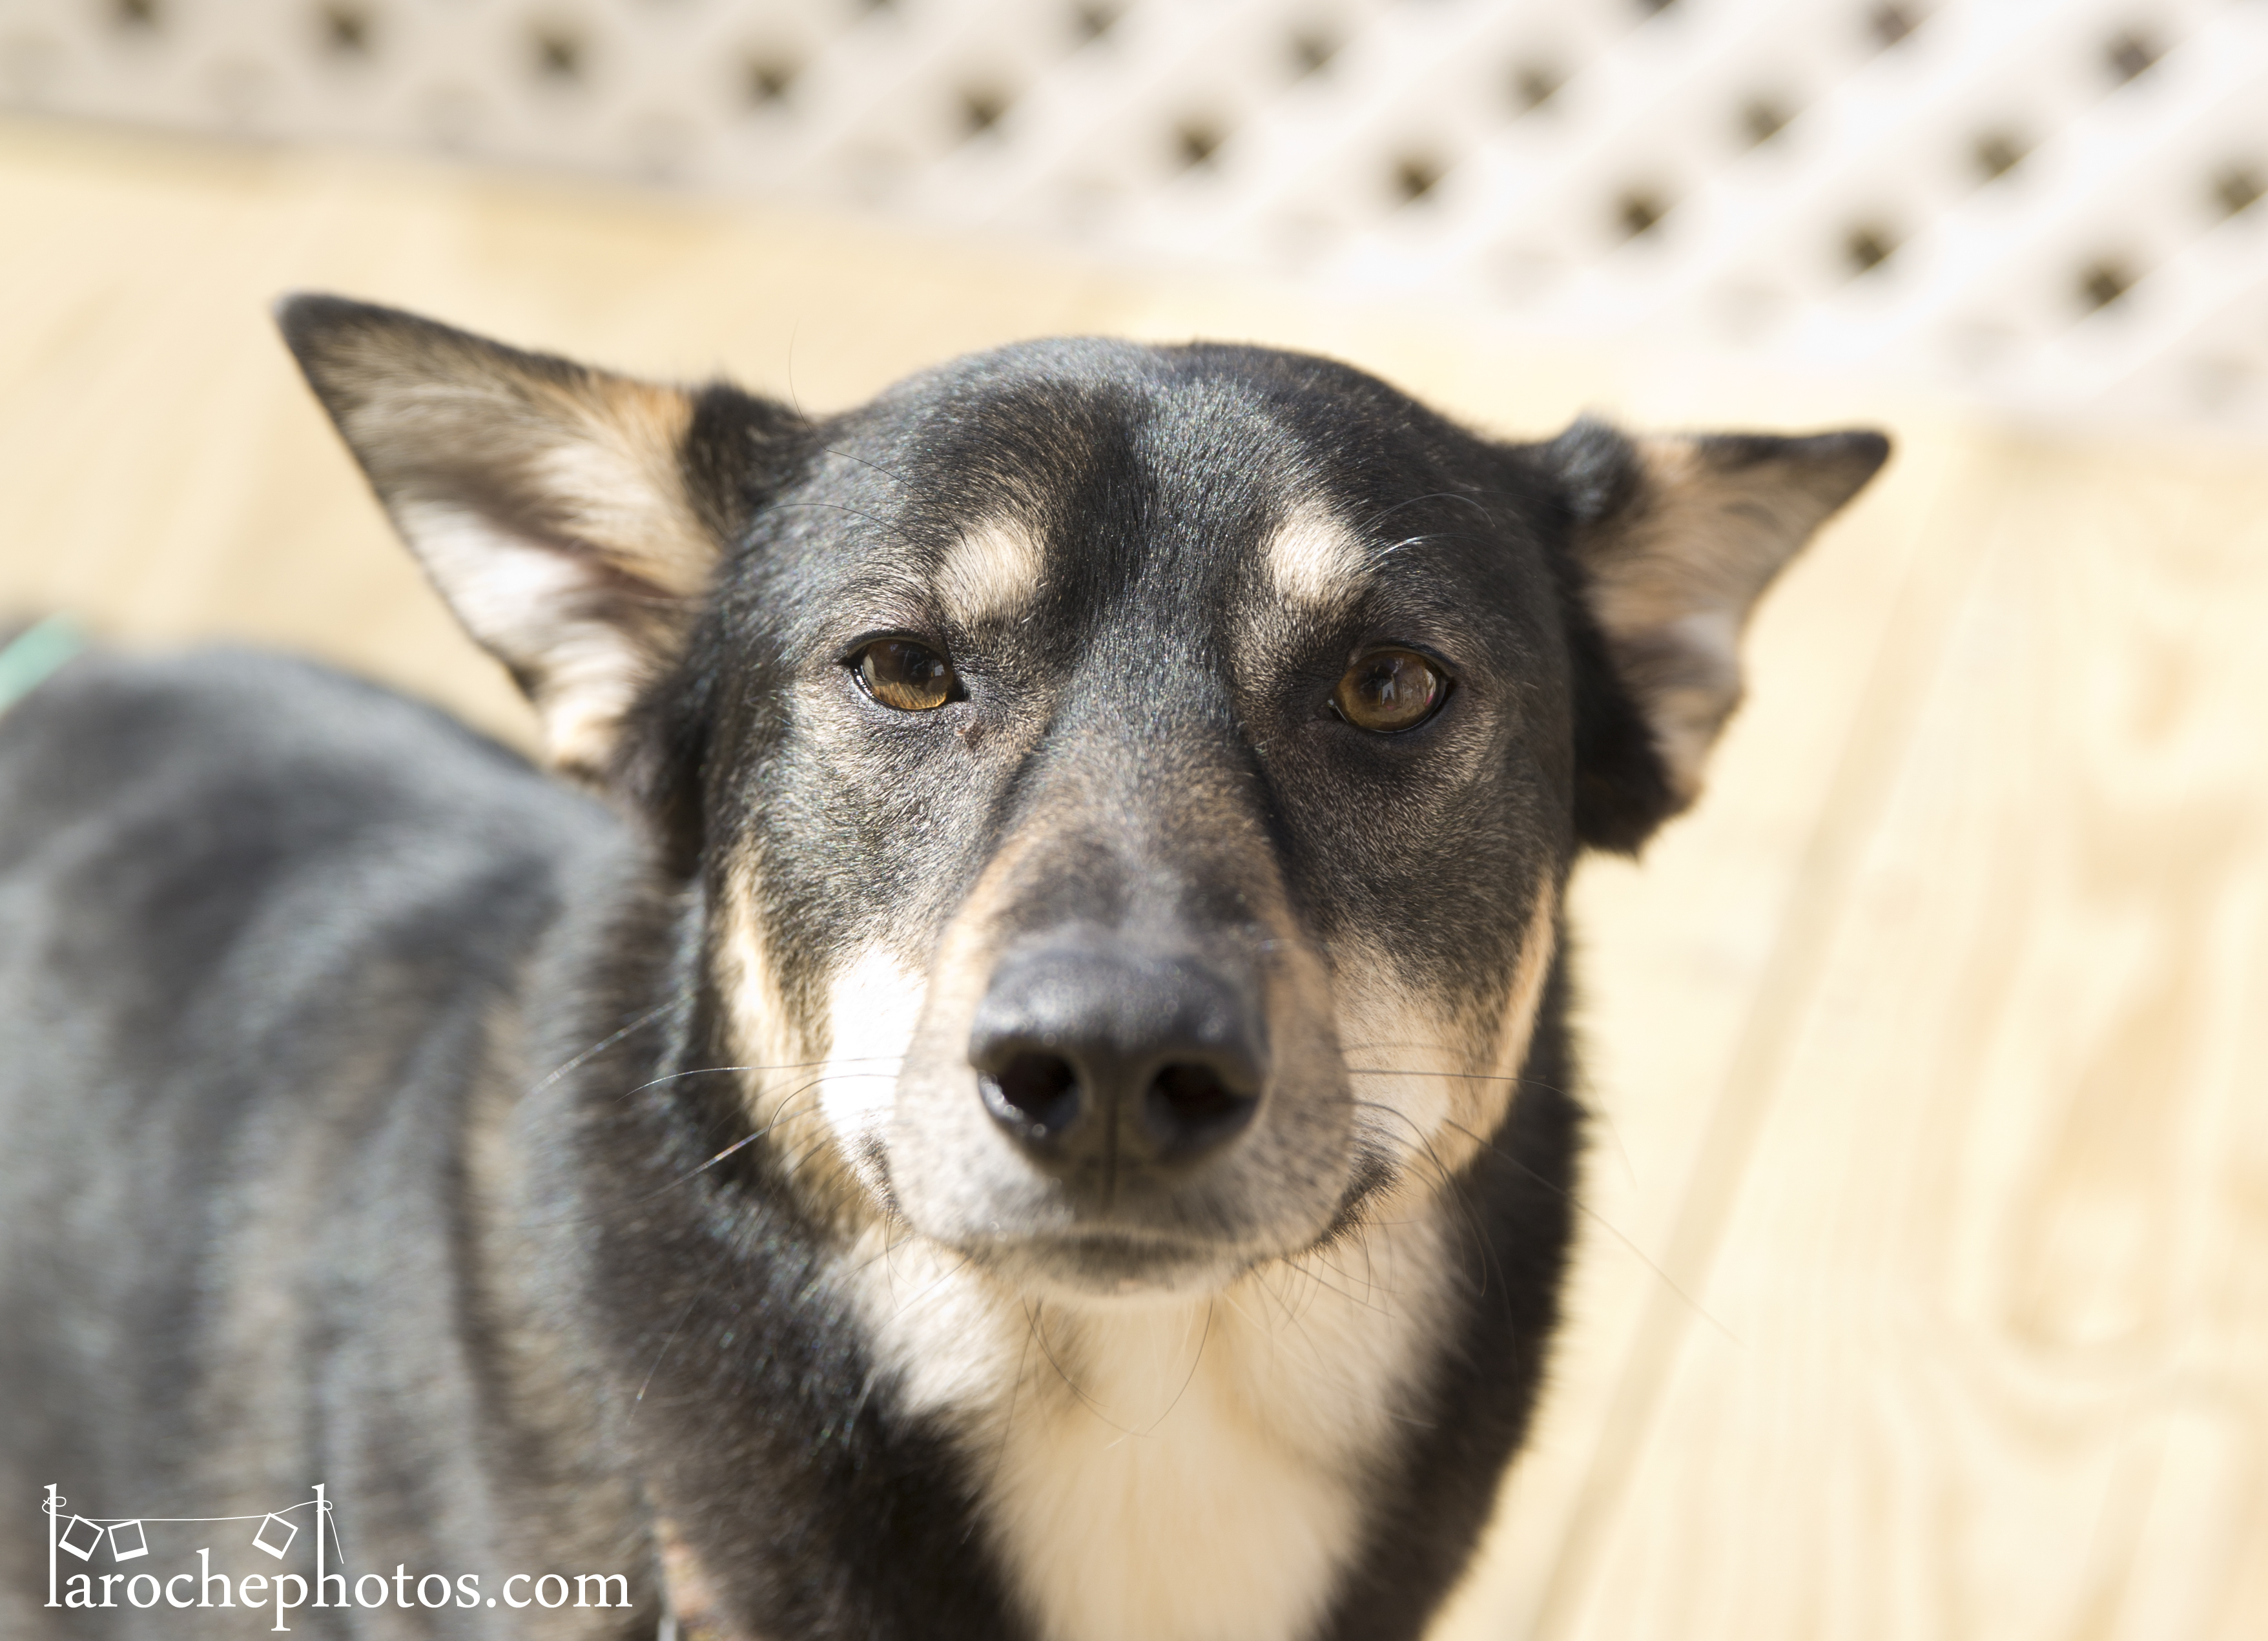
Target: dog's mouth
(1110,1263)
(1119,1257)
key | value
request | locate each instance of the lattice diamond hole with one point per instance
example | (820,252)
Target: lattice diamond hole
(2102,282)
(768,79)
(346,31)
(1195,141)
(1997,153)
(2238,188)
(1867,247)
(558,56)
(982,107)
(1763,118)
(1638,210)
(1534,84)
(2130,55)
(1414,175)
(1892,22)
(1312,50)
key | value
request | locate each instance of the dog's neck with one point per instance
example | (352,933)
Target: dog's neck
(1191,1468)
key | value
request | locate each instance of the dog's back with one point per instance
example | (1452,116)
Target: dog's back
(260,925)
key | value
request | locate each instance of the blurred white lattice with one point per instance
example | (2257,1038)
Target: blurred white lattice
(2052,202)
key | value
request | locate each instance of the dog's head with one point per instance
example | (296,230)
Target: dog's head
(1128,790)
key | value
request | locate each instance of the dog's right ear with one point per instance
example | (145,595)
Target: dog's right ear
(1674,538)
(571,518)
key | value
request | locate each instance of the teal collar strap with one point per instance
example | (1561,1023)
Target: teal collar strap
(34,656)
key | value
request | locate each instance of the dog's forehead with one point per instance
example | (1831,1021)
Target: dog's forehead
(1192,471)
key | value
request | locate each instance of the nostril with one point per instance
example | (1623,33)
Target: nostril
(1034,1091)
(1191,1108)
(1193,1093)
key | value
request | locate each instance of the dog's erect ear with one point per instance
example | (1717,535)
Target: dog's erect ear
(571,518)
(1675,538)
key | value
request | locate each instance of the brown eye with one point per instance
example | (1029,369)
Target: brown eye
(1388,690)
(902,675)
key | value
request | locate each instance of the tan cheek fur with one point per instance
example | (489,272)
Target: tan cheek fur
(826,1086)
(818,1091)
(1434,1086)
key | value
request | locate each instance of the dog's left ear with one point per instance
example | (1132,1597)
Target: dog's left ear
(1675,539)
(571,518)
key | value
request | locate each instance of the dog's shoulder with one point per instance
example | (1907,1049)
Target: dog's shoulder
(235,845)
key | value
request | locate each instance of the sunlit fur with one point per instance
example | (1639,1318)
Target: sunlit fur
(1315,559)
(993,572)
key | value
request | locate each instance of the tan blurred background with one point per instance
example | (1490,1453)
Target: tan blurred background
(1925,1289)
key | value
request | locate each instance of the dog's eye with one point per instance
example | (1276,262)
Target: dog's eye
(900,673)
(1389,690)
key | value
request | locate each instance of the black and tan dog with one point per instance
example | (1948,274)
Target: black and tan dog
(1038,1109)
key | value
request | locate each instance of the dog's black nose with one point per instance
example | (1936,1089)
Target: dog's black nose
(1095,1058)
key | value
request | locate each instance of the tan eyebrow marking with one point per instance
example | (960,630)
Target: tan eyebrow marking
(991,573)
(1314,560)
